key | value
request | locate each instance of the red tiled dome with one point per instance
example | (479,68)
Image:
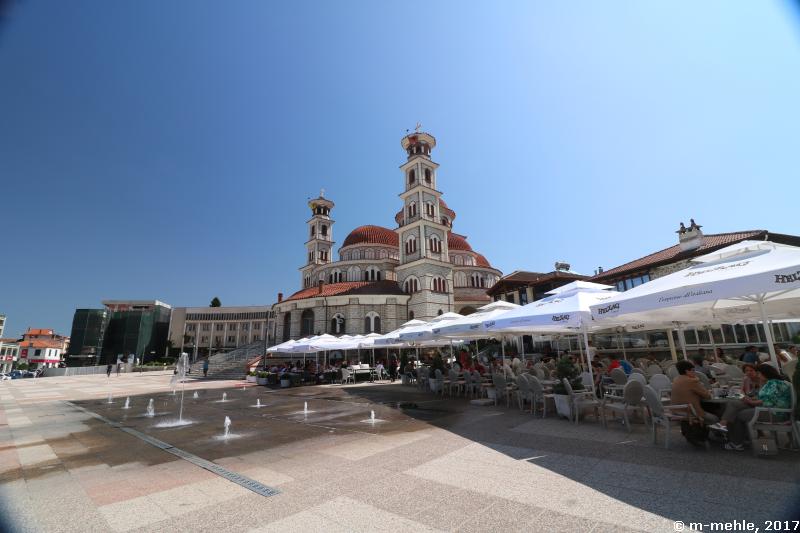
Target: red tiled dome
(481,261)
(458,242)
(372,235)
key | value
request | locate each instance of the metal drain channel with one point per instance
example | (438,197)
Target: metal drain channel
(243,481)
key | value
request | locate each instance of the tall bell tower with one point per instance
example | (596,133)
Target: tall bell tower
(319,245)
(424,270)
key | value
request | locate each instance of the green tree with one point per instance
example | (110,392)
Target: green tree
(215,302)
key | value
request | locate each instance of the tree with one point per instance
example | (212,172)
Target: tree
(215,302)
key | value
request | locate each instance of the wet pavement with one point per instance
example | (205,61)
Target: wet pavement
(70,461)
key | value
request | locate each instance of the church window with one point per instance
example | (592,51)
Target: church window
(324,230)
(412,176)
(411,245)
(369,254)
(435,244)
(412,210)
(372,274)
(372,323)
(411,315)
(337,323)
(310,256)
(287,324)
(383,254)
(429,209)
(313,231)
(459,260)
(411,285)
(307,323)
(428,176)
(460,279)
(445,221)
(439,284)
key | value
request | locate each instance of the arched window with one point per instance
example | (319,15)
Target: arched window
(445,221)
(412,209)
(310,257)
(313,231)
(372,273)
(435,244)
(383,254)
(429,209)
(307,282)
(475,280)
(369,254)
(459,260)
(411,315)
(428,176)
(411,285)
(337,323)
(372,323)
(287,325)
(353,274)
(439,284)
(411,245)
(307,323)
(336,276)
(460,279)
(324,230)
(412,176)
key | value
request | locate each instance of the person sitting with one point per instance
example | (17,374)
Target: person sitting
(774,392)
(751,383)
(750,355)
(700,365)
(787,360)
(616,362)
(687,389)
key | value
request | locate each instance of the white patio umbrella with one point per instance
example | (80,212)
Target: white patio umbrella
(282,347)
(744,281)
(393,337)
(566,310)
(424,331)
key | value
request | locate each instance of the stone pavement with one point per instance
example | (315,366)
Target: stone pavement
(429,464)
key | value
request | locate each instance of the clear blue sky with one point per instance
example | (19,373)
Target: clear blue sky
(166,150)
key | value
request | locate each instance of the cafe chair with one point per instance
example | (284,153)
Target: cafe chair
(774,420)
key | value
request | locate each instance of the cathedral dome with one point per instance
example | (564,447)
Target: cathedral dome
(458,242)
(372,235)
(481,261)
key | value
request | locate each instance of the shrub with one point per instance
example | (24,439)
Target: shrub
(566,370)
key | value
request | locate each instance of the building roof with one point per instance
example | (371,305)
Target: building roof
(372,235)
(40,343)
(481,261)
(522,278)
(348,287)
(458,242)
(39,331)
(9,340)
(673,254)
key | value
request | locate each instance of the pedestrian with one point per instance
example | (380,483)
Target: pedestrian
(108,370)
(205,368)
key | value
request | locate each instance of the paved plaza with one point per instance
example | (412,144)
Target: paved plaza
(71,461)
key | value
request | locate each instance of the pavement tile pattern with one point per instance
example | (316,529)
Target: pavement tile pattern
(427,464)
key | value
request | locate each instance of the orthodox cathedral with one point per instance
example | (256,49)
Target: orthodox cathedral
(385,277)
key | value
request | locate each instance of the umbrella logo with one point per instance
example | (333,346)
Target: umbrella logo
(560,318)
(787,278)
(607,309)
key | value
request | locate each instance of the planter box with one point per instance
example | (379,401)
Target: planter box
(251,379)
(261,381)
(563,407)
(285,383)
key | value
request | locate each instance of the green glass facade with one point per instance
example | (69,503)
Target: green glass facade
(88,331)
(136,331)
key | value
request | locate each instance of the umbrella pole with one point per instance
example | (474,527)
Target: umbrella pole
(682,340)
(671,342)
(580,349)
(622,345)
(768,331)
(588,357)
(503,350)
(713,344)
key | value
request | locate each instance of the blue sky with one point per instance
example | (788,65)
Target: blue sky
(166,149)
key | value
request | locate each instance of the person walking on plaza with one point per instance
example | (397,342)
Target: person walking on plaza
(108,370)
(205,368)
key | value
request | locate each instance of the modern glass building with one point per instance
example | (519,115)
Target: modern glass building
(88,331)
(137,328)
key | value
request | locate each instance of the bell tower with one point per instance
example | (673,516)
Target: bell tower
(424,270)
(319,245)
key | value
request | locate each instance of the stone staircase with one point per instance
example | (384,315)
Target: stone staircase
(228,365)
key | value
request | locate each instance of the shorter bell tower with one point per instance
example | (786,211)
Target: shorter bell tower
(319,245)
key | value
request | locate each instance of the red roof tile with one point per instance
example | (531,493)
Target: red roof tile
(348,287)
(372,235)
(481,261)
(673,254)
(458,242)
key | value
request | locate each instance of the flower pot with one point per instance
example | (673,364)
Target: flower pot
(251,379)
(261,381)
(563,407)
(285,383)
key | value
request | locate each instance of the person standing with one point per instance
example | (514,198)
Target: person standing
(205,367)
(108,369)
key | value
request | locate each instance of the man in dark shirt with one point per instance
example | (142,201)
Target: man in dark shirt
(750,355)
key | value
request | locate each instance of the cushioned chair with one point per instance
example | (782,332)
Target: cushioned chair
(773,420)
(580,400)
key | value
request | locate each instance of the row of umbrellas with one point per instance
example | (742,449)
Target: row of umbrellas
(751,281)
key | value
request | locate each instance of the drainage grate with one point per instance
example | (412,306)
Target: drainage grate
(246,482)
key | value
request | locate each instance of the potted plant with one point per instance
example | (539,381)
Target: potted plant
(286,381)
(566,370)
(261,378)
(251,376)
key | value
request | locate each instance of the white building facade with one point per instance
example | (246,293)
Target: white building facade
(202,331)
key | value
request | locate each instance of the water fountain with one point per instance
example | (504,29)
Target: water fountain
(224,398)
(258,403)
(110,398)
(151,409)
(127,403)
(305,408)
(195,395)
(372,420)
(227,428)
